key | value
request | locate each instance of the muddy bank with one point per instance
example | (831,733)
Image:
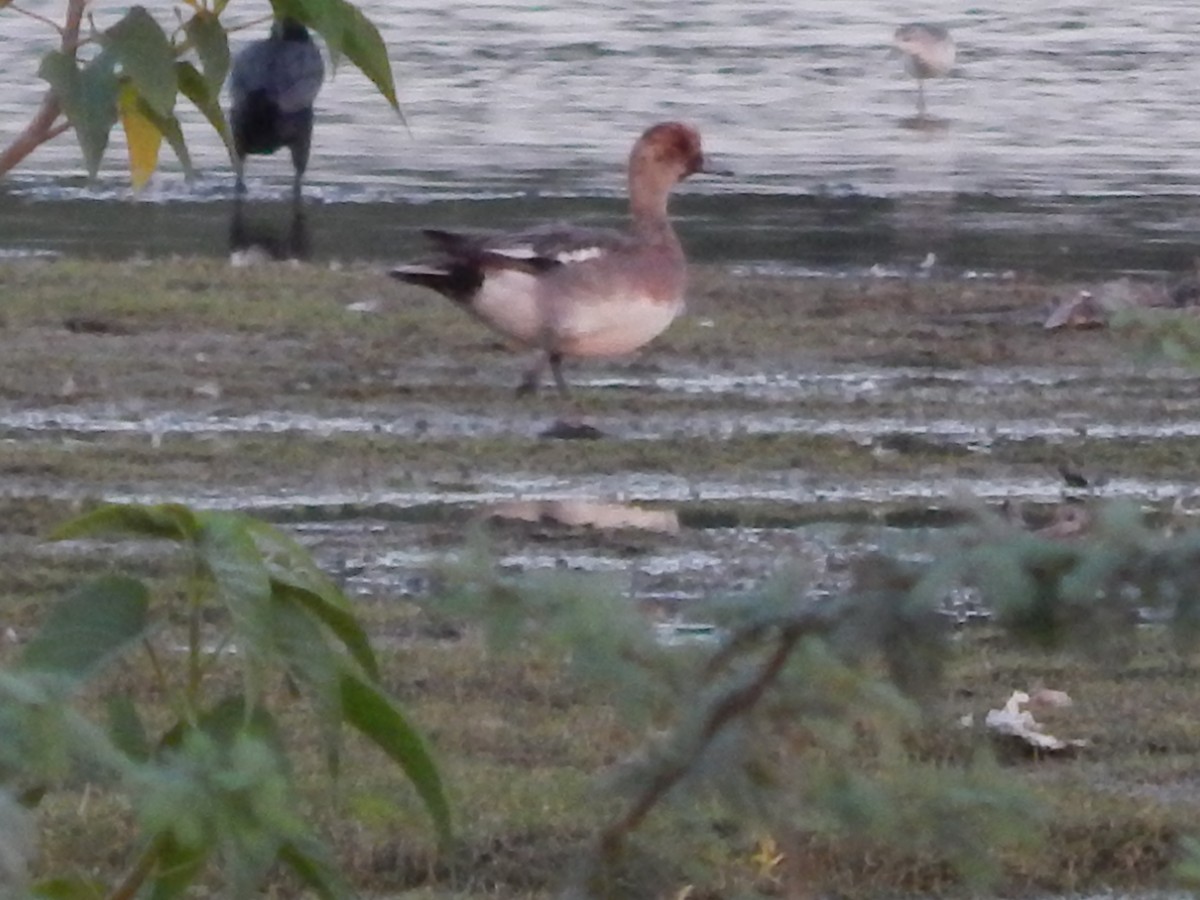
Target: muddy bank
(782,418)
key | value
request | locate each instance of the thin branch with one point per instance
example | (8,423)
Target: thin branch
(38,16)
(36,133)
(42,127)
(733,705)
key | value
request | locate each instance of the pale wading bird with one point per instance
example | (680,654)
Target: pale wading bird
(928,53)
(272,87)
(573,292)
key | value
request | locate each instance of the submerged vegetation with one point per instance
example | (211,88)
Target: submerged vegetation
(819,730)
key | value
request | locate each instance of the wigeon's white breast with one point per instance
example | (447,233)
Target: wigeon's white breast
(614,326)
(507,300)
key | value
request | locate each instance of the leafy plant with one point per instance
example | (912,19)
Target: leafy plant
(212,788)
(135,69)
(809,714)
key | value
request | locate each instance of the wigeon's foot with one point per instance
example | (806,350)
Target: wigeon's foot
(531,382)
(572,430)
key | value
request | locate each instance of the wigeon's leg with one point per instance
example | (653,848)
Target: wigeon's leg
(556,367)
(921,97)
(532,379)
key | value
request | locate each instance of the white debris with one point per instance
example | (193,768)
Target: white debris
(249,256)
(1015,722)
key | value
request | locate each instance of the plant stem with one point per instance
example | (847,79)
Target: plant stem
(41,127)
(732,705)
(133,881)
(38,16)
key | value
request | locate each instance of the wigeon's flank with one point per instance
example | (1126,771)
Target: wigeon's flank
(272,87)
(575,292)
(928,53)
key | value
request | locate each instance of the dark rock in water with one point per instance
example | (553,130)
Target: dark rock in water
(565,430)
(1072,476)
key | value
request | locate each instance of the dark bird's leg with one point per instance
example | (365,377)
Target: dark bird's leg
(300,148)
(238,239)
(299,242)
(921,97)
(239,169)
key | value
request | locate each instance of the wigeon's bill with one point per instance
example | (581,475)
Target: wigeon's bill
(566,291)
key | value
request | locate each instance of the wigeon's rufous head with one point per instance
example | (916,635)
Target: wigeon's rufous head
(669,146)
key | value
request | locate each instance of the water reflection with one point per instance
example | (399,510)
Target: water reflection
(251,238)
(583,513)
(923,122)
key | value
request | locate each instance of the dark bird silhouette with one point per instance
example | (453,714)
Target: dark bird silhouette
(272,88)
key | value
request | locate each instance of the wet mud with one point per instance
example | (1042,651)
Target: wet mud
(785,421)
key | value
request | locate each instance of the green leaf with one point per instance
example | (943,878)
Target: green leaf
(71,887)
(196,88)
(207,35)
(241,582)
(173,521)
(368,710)
(88,96)
(289,561)
(339,621)
(146,56)
(346,31)
(94,622)
(302,645)
(125,728)
(365,48)
(224,721)
(311,863)
(177,868)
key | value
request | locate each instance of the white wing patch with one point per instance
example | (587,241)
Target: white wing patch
(517,251)
(579,254)
(525,251)
(417,269)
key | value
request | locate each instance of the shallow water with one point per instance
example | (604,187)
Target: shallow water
(1068,139)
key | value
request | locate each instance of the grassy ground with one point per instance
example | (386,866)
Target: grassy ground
(525,748)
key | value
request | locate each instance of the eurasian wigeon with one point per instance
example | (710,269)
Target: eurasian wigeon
(272,87)
(928,53)
(577,292)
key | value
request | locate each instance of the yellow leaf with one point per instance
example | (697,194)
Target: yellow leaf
(766,857)
(142,136)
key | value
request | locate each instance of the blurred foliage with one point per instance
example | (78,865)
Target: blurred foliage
(211,790)
(134,70)
(809,713)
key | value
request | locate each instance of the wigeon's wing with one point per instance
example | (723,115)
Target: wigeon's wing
(538,249)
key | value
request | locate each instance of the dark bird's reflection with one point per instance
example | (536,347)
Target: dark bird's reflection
(259,237)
